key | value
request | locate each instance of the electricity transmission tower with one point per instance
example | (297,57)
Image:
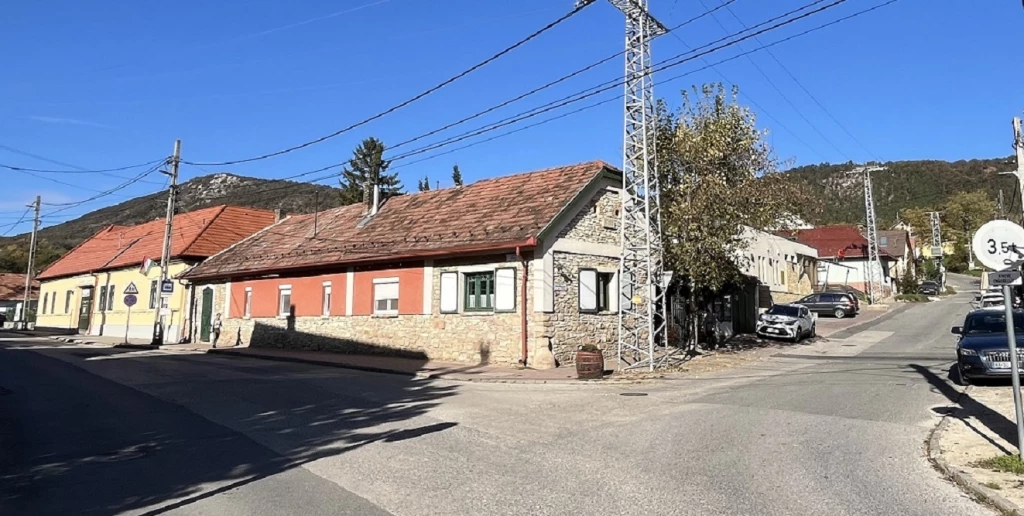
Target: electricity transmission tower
(642,310)
(873,271)
(933,217)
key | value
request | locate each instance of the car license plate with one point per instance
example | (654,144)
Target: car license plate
(1000,365)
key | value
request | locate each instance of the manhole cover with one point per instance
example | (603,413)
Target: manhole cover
(633,394)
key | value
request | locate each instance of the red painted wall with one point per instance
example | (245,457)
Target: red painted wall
(307,295)
(410,290)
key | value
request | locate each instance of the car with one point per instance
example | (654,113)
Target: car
(989,300)
(838,304)
(787,321)
(929,288)
(982,350)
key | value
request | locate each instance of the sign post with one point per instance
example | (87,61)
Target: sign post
(129,301)
(996,244)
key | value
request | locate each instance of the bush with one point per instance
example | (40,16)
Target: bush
(908,284)
(912,298)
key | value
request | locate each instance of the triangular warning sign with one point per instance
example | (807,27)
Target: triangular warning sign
(131,289)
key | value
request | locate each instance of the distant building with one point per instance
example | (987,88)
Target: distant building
(85,289)
(843,257)
(789,269)
(898,244)
(12,297)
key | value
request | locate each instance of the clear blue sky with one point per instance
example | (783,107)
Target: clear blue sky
(105,84)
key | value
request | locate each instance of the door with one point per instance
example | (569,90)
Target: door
(85,310)
(207,315)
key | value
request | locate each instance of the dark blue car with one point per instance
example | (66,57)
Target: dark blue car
(982,351)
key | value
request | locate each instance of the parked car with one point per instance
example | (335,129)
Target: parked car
(838,304)
(787,321)
(929,288)
(981,351)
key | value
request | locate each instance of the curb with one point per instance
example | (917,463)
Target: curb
(422,375)
(962,478)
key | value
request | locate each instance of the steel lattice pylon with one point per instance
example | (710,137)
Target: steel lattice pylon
(874,265)
(642,307)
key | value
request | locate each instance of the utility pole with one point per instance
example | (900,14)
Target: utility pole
(1018,147)
(1002,210)
(642,311)
(165,257)
(30,273)
(874,265)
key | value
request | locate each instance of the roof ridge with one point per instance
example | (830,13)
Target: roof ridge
(206,226)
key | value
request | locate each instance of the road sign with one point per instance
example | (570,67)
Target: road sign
(999,244)
(131,289)
(936,251)
(130,300)
(1000,278)
(167,286)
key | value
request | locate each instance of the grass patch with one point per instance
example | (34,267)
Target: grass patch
(993,485)
(950,291)
(974,272)
(912,298)
(1004,463)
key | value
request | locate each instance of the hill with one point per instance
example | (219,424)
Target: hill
(200,192)
(904,184)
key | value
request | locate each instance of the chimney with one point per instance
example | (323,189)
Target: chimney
(371,198)
(278,215)
(376,199)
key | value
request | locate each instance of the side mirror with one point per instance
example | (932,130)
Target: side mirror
(957,330)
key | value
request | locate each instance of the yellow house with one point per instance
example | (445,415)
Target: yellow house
(90,288)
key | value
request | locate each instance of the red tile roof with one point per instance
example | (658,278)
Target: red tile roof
(196,234)
(12,288)
(833,241)
(493,214)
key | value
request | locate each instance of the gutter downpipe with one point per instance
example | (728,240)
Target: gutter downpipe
(522,295)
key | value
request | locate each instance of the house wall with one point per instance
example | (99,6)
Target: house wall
(58,317)
(852,272)
(788,268)
(115,320)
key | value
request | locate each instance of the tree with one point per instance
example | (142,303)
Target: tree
(367,167)
(718,174)
(424,184)
(919,221)
(456,175)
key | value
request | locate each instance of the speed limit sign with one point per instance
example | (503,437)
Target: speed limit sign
(999,244)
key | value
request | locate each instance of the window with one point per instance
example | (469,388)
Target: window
(103,298)
(479,291)
(46,297)
(110,297)
(883,241)
(153,294)
(248,301)
(327,299)
(385,296)
(595,290)
(505,290)
(284,300)
(67,301)
(449,292)
(604,291)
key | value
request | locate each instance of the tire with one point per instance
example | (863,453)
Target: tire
(839,313)
(960,378)
(814,330)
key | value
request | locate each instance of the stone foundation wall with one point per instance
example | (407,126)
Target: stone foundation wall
(568,327)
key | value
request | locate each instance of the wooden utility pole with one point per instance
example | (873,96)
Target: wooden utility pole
(1002,210)
(165,257)
(30,273)
(1018,146)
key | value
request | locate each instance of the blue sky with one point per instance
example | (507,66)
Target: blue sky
(101,87)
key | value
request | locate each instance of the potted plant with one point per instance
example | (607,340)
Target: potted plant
(589,362)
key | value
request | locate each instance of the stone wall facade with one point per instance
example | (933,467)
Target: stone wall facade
(598,221)
(568,326)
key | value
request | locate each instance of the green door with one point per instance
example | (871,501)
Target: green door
(204,322)
(85,310)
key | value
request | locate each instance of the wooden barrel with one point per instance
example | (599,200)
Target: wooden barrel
(589,365)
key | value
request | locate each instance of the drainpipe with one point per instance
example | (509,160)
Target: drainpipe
(522,304)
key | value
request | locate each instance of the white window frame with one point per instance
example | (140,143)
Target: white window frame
(327,299)
(284,311)
(247,307)
(398,293)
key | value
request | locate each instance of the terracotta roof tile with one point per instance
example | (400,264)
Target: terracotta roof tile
(12,287)
(830,241)
(196,234)
(487,214)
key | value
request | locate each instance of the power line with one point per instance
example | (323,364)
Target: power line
(67,206)
(78,169)
(10,227)
(417,97)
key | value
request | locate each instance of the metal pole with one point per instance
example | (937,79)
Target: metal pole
(1014,368)
(29,274)
(165,256)
(1018,146)
(127,324)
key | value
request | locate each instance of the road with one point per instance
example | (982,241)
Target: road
(832,428)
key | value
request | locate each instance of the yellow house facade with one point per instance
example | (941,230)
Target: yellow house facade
(86,289)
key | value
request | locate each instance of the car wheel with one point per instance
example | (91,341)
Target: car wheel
(814,330)
(960,378)
(839,313)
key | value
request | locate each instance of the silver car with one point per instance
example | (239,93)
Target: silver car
(786,321)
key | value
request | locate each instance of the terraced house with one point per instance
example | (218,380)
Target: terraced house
(503,271)
(85,289)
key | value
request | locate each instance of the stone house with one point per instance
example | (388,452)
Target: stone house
(85,290)
(514,269)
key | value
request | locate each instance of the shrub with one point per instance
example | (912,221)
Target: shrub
(912,298)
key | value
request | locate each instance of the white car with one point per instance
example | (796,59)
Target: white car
(787,321)
(990,299)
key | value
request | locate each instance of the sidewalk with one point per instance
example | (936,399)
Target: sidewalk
(119,342)
(419,368)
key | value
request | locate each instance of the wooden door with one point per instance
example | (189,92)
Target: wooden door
(85,310)
(207,316)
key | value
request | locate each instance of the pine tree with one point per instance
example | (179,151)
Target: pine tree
(368,166)
(424,185)
(456,176)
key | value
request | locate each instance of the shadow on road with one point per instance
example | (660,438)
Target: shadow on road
(87,445)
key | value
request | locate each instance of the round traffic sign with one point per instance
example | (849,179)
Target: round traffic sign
(130,300)
(998,244)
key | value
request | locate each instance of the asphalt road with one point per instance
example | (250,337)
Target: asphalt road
(832,428)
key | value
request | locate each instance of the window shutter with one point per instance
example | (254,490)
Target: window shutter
(588,290)
(449,292)
(505,290)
